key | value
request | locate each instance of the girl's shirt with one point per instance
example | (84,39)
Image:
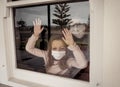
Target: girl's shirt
(79,61)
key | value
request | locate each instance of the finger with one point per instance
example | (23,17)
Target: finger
(34,23)
(63,39)
(64,34)
(66,31)
(39,21)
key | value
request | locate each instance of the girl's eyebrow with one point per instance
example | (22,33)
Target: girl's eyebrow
(54,48)
(62,47)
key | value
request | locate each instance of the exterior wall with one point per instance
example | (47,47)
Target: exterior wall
(111,49)
(111,60)
(3,69)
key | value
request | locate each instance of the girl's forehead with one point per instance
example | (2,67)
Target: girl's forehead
(58,43)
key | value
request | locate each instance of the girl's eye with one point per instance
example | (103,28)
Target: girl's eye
(62,49)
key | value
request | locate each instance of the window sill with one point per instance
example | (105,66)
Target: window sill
(21,83)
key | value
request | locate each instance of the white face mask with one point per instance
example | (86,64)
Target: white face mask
(58,54)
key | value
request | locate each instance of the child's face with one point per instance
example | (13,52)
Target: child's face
(58,49)
(58,45)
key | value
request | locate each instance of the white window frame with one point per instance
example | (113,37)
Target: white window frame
(21,78)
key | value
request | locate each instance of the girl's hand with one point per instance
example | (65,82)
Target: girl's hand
(68,38)
(37,27)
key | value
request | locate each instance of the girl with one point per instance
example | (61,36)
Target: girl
(56,61)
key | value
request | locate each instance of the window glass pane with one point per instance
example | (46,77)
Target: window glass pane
(59,57)
(23,30)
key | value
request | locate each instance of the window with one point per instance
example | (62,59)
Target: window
(41,77)
(50,15)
